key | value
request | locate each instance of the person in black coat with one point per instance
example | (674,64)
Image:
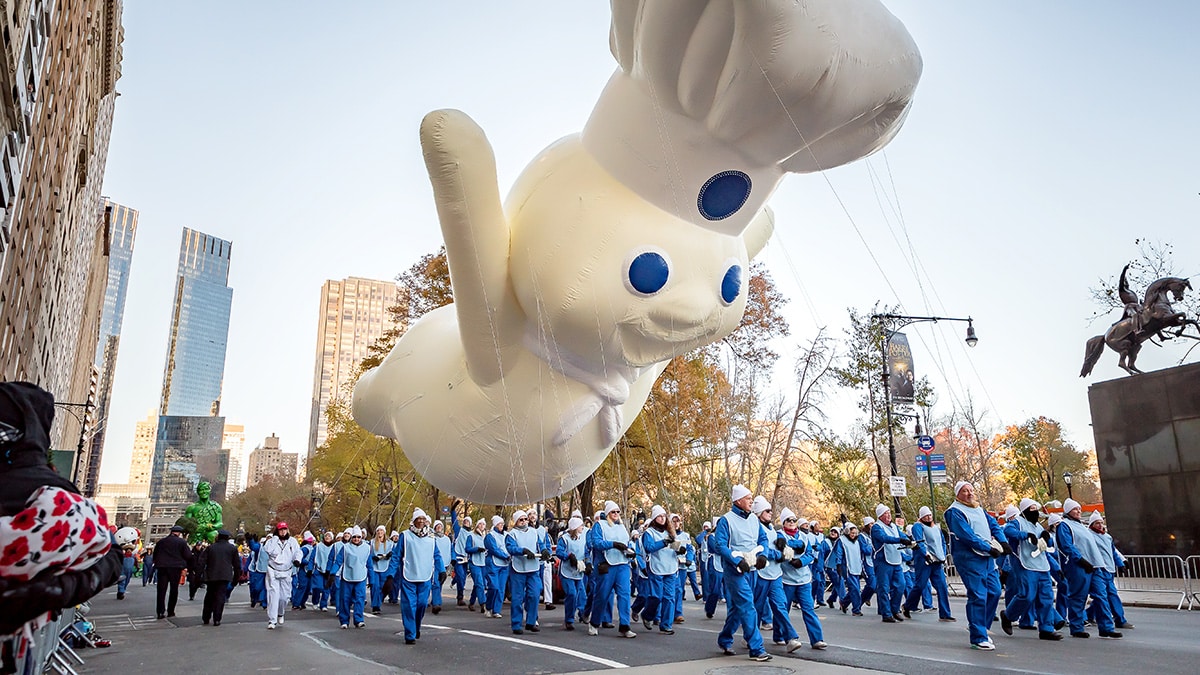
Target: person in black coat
(171,557)
(222,566)
(26,413)
(196,574)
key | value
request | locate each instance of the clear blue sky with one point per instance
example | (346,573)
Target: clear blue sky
(1044,138)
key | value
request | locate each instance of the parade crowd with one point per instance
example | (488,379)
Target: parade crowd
(761,565)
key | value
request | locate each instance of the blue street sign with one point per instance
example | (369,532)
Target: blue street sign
(925,443)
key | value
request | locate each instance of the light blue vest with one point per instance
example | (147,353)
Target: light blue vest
(261,560)
(498,542)
(932,535)
(460,545)
(478,559)
(662,561)
(354,561)
(418,557)
(528,538)
(865,536)
(1105,544)
(743,535)
(579,548)
(798,576)
(381,548)
(443,546)
(614,532)
(1025,551)
(976,518)
(321,557)
(853,555)
(773,570)
(891,552)
(1085,541)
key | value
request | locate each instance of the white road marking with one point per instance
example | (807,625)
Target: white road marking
(537,645)
(342,652)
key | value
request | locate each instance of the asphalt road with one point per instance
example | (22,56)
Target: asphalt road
(461,642)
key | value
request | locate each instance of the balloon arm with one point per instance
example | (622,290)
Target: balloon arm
(759,232)
(462,170)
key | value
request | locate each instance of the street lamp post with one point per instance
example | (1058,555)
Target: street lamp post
(1067,480)
(895,322)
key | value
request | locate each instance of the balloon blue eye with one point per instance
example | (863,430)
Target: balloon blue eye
(723,194)
(648,273)
(731,285)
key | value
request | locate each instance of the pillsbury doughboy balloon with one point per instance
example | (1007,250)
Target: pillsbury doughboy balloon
(626,245)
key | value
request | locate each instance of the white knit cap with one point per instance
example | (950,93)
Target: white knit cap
(1011,512)
(439,525)
(707,525)
(1097,517)
(924,511)
(1070,505)
(497,520)
(381,527)
(519,514)
(577,514)
(676,516)
(908,530)
(393,534)
(467,522)
(739,491)
(610,506)
(308,536)
(760,504)
(1028,503)
(959,486)
(356,531)
(813,523)
(835,529)
(868,520)
(850,526)
(881,509)
(418,513)
(657,511)
(1055,518)
(786,515)
(574,523)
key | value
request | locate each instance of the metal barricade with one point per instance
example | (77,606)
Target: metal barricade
(47,652)
(952,581)
(1193,573)
(1156,574)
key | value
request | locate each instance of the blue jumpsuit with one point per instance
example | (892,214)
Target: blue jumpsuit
(661,584)
(379,570)
(461,560)
(889,575)
(350,567)
(868,549)
(303,579)
(613,577)
(1036,598)
(128,566)
(1081,548)
(1110,561)
(929,543)
(446,552)
(971,532)
(831,572)
(797,582)
(769,599)
(571,550)
(417,562)
(320,592)
(848,558)
(497,570)
(476,550)
(258,575)
(739,531)
(524,546)
(714,585)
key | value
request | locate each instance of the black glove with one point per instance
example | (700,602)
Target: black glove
(527,553)
(799,549)
(760,562)
(309,573)
(619,545)
(780,544)
(1006,548)
(572,559)
(994,553)
(455,504)
(670,539)
(545,556)
(389,585)
(602,568)
(795,562)
(929,559)
(587,568)
(1046,537)
(743,566)
(1087,566)
(843,518)
(1032,538)
(441,577)
(295,563)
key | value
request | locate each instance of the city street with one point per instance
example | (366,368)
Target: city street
(461,642)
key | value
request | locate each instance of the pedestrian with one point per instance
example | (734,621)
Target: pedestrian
(609,541)
(820,552)
(148,570)
(283,559)
(172,556)
(975,544)
(415,565)
(526,549)
(498,566)
(1082,552)
(929,559)
(739,538)
(333,577)
(889,577)
(320,569)
(1035,596)
(572,551)
(195,574)
(302,581)
(769,599)
(476,550)
(445,549)
(797,576)
(222,565)
(127,539)
(379,570)
(1110,561)
(350,569)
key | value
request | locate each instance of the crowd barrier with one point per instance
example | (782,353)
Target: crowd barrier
(1193,572)
(47,652)
(1158,574)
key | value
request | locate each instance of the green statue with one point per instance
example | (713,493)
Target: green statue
(207,515)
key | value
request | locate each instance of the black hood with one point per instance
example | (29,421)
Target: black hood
(24,465)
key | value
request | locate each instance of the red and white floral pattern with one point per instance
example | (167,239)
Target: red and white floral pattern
(58,530)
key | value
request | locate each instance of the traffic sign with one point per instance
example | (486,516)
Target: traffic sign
(925,443)
(445,509)
(936,462)
(899,486)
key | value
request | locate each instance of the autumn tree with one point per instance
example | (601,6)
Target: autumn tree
(1037,455)
(260,506)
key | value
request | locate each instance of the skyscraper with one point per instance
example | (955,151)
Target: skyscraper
(121,222)
(190,439)
(142,463)
(353,316)
(235,442)
(268,460)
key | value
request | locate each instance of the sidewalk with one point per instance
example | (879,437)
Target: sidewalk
(736,665)
(1129,598)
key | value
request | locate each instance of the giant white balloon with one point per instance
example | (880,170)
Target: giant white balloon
(626,245)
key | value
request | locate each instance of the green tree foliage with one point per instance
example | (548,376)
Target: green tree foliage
(1037,455)
(845,472)
(259,504)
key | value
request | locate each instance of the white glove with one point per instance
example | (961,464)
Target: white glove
(580,565)
(788,553)
(682,559)
(996,546)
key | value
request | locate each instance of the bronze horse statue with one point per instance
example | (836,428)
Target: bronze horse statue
(1141,322)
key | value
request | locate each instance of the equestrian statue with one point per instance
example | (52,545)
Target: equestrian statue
(1141,321)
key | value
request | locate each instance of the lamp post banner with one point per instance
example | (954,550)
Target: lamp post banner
(902,382)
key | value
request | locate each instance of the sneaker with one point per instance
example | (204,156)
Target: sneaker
(794,644)
(592,630)
(726,651)
(406,640)
(765,627)
(1045,635)
(344,626)
(1111,635)
(889,619)
(948,619)
(819,644)
(271,626)
(628,633)
(216,623)
(858,613)
(518,631)
(898,618)
(436,609)
(1005,623)
(649,625)
(679,619)
(635,617)
(360,624)
(986,646)
(550,607)
(1125,625)
(120,596)
(780,642)
(1080,634)
(376,611)
(497,615)
(1058,625)
(761,656)
(281,620)
(665,631)
(532,628)
(1027,627)
(569,626)
(607,625)
(907,614)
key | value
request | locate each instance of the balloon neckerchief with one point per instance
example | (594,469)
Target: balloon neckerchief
(609,391)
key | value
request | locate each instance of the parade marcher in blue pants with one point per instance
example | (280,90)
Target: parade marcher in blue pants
(445,549)
(416,565)
(498,566)
(1081,552)
(820,552)
(592,575)
(1062,591)
(335,583)
(320,582)
(929,559)
(713,576)
(476,550)
(889,577)
(768,591)
(380,567)
(302,581)
(1030,542)
(661,550)
(831,571)
(392,593)
(609,541)
(848,558)
(1110,561)
(868,548)
(461,559)
(797,577)
(349,567)
(738,538)
(639,572)
(572,551)
(525,548)
(975,544)
(258,573)
(702,559)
